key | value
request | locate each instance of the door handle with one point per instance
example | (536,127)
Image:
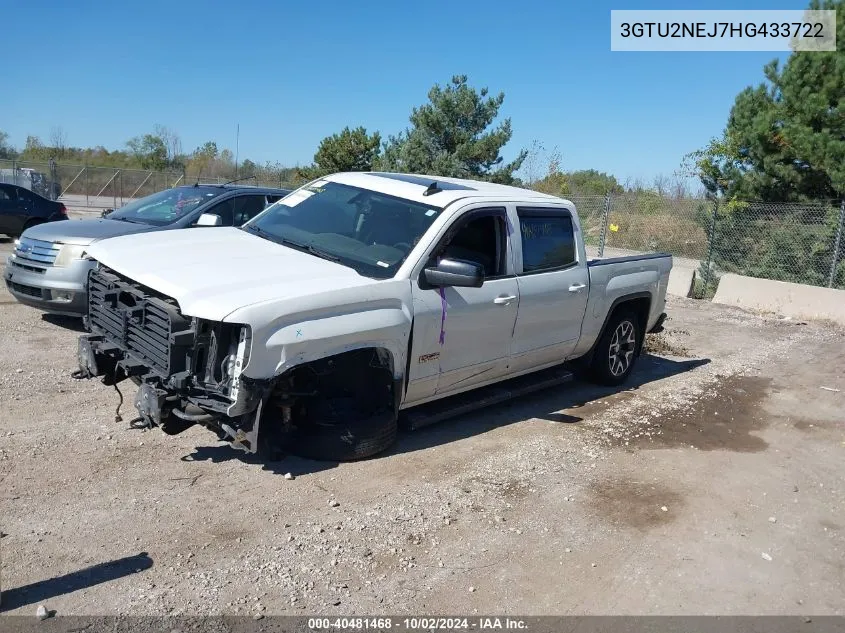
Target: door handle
(504,300)
(577,287)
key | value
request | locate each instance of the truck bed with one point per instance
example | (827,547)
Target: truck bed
(636,275)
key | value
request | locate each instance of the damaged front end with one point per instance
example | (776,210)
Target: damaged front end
(188,370)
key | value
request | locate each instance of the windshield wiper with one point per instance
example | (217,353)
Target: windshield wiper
(307,248)
(310,248)
(127,220)
(323,254)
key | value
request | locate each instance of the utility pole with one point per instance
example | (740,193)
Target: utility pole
(237,147)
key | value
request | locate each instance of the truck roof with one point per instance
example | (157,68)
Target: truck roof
(414,187)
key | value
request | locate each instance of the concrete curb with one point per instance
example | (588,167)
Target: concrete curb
(781,297)
(681,281)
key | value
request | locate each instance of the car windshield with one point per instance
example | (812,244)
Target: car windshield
(165,207)
(365,230)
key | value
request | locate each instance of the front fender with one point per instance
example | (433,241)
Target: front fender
(313,339)
(321,326)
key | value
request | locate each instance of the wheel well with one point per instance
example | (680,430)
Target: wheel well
(352,367)
(640,306)
(359,382)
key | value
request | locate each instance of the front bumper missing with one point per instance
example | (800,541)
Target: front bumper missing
(160,405)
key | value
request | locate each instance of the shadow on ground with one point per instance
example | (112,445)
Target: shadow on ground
(543,405)
(287,464)
(66,322)
(44,590)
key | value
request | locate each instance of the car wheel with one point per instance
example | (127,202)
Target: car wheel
(345,439)
(617,349)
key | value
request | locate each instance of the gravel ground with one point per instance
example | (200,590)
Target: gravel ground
(713,484)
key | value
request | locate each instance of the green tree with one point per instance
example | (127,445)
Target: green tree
(6,150)
(584,182)
(150,150)
(35,150)
(784,142)
(785,138)
(450,136)
(349,150)
(555,182)
(247,168)
(202,159)
(589,182)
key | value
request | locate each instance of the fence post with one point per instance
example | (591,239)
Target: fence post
(836,244)
(121,187)
(114,189)
(87,203)
(605,216)
(711,239)
(52,170)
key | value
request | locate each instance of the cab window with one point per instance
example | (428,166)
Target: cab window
(548,241)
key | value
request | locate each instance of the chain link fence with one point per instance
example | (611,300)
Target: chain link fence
(797,242)
(103,187)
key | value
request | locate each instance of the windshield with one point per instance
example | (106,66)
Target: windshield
(165,207)
(365,230)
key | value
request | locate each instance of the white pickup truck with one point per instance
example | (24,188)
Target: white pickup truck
(358,302)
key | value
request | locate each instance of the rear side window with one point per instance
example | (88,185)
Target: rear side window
(7,194)
(548,241)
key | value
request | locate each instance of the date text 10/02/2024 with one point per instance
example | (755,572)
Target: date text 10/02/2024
(417,623)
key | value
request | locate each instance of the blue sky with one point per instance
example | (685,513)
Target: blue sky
(292,73)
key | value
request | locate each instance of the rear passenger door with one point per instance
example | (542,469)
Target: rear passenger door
(553,287)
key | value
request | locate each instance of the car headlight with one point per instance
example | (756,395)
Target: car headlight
(67,253)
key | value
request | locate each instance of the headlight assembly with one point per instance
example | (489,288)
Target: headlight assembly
(67,253)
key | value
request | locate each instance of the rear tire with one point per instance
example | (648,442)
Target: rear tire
(617,350)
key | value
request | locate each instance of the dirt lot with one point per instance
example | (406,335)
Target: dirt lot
(713,485)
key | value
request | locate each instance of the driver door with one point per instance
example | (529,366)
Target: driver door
(462,336)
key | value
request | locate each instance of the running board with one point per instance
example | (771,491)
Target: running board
(433,412)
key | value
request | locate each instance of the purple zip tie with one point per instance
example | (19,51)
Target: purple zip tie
(443,307)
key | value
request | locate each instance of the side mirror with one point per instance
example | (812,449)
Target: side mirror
(455,272)
(105,213)
(209,219)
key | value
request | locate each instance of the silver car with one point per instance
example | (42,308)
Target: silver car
(47,270)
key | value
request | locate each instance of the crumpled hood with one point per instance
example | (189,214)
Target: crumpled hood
(83,232)
(211,272)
